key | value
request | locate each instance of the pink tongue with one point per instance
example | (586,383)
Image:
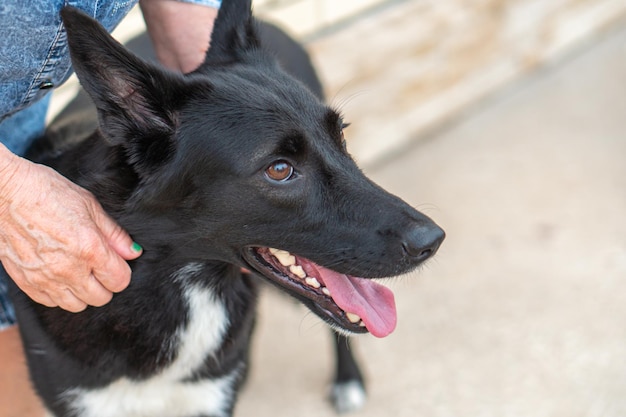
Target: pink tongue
(369,300)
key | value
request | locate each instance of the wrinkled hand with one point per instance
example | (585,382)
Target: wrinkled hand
(56,241)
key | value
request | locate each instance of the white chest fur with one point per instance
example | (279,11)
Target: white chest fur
(167,394)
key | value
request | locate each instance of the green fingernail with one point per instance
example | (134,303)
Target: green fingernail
(136,247)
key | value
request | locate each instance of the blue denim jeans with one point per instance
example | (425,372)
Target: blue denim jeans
(34,59)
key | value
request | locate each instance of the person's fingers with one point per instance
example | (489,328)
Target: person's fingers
(69,297)
(67,300)
(42,298)
(112,272)
(63,298)
(33,291)
(92,292)
(115,236)
(109,251)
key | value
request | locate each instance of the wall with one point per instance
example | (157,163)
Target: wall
(406,67)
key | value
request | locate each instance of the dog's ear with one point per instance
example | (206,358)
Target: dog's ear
(234,33)
(136,101)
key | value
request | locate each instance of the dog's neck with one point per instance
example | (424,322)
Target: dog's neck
(153,221)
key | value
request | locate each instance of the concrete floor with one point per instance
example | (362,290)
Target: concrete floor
(523,311)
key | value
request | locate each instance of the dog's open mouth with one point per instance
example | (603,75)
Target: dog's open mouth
(355,304)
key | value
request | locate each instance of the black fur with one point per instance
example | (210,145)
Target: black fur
(180,162)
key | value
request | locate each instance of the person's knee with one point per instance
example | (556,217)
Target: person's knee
(17,397)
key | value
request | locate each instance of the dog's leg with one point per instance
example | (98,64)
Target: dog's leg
(348,391)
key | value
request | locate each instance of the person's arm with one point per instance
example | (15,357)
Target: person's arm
(180,31)
(56,241)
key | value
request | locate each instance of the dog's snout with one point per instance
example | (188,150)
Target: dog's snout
(422,241)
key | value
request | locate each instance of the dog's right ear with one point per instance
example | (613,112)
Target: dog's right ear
(234,33)
(136,101)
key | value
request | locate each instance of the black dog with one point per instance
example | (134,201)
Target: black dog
(235,165)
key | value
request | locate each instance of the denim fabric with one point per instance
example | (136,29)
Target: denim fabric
(7,313)
(211,3)
(33,46)
(19,130)
(34,58)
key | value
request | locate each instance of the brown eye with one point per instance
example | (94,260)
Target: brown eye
(280,170)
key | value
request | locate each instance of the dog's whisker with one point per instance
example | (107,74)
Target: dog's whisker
(428,207)
(314,323)
(340,103)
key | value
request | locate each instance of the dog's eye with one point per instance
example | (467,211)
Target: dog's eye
(280,170)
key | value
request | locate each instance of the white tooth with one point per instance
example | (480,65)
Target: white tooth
(313,282)
(278,252)
(326,291)
(297,271)
(353,317)
(275,252)
(362,323)
(285,258)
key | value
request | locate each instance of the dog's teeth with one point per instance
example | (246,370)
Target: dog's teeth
(326,291)
(278,252)
(297,271)
(362,323)
(285,258)
(353,318)
(312,282)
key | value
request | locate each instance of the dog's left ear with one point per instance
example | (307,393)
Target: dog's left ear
(234,33)
(136,101)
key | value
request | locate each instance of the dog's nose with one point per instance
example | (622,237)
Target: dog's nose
(421,242)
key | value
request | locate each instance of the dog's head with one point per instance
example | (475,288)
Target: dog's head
(245,165)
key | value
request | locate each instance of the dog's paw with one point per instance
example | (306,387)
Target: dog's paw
(348,396)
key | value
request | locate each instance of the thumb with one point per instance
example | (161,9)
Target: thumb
(117,238)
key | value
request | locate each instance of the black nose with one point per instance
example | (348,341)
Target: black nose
(422,241)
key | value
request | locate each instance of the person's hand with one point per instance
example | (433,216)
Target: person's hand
(56,241)
(180,32)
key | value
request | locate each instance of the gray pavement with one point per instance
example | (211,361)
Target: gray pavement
(523,311)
